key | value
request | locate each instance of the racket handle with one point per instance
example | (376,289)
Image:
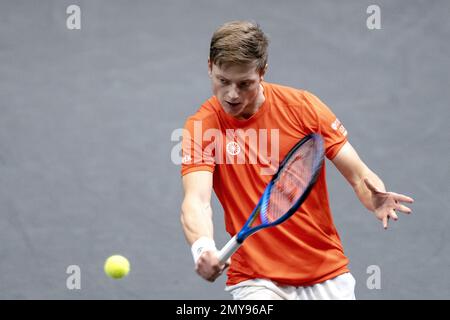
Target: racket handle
(228,250)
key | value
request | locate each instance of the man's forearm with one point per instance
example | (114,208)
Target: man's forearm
(196,219)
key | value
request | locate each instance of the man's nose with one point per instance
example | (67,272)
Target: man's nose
(233,92)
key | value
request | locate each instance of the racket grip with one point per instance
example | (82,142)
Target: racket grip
(228,249)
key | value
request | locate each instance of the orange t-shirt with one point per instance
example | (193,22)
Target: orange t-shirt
(243,155)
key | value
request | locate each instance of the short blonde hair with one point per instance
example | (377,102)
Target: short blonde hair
(239,42)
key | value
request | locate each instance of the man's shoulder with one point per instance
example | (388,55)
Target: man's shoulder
(301,101)
(289,95)
(293,96)
(207,113)
(282,88)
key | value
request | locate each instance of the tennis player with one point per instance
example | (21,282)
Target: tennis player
(233,144)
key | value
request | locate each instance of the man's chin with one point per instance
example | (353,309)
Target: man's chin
(232,111)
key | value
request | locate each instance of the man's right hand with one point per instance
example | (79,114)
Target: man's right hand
(209,267)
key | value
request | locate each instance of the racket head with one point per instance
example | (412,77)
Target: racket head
(293,182)
(248,228)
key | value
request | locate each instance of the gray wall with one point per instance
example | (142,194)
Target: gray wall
(86,118)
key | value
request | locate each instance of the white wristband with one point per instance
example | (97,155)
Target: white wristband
(200,245)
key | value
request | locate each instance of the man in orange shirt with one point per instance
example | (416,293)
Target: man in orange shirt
(234,143)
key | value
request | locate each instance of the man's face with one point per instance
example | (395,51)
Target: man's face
(237,88)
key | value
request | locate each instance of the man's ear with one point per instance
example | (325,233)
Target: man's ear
(263,72)
(209,68)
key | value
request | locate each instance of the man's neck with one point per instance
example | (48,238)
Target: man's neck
(253,108)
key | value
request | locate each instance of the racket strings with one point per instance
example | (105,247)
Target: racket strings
(291,183)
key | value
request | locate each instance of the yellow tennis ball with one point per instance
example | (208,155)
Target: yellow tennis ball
(117,266)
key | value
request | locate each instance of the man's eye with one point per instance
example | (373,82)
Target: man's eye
(223,81)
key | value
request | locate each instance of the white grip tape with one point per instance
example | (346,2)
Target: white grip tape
(200,245)
(228,249)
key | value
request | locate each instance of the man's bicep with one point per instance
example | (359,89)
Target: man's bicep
(350,164)
(198,184)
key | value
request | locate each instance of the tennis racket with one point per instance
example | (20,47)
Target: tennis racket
(286,191)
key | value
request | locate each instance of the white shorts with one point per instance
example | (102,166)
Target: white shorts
(340,288)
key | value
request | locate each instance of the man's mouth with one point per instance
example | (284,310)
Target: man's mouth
(233,104)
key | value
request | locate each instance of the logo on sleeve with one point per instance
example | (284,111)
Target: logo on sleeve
(186,159)
(337,126)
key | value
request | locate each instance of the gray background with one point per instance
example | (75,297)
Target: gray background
(86,118)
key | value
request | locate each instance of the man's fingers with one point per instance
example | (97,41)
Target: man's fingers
(385,222)
(208,266)
(216,275)
(402,197)
(212,276)
(393,215)
(403,208)
(225,266)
